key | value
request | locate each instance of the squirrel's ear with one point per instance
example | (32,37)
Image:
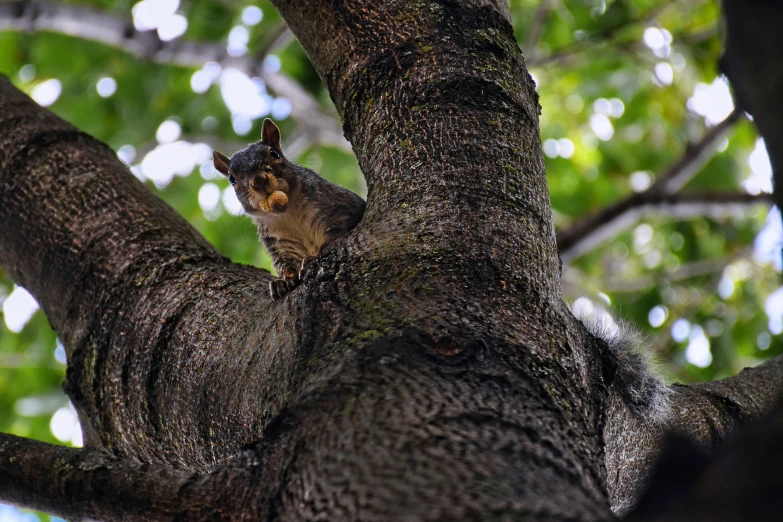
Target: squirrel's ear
(270,135)
(221,162)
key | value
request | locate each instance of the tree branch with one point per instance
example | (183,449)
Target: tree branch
(706,413)
(695,156)
(92,25)
(85,484)
(120,257)
(366,108)
(754,52)
(279,37)
(593,230)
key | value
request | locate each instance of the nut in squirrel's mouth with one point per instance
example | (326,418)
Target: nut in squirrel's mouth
(275,202)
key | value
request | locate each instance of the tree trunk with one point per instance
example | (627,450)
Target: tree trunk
(426,368)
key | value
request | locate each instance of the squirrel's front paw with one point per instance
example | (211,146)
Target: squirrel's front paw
(278,288)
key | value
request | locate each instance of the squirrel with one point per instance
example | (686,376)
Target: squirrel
(297,212)
(631,367)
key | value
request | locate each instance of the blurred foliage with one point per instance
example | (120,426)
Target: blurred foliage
(582,52)
(594,50)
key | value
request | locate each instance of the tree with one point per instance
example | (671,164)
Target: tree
(427,368)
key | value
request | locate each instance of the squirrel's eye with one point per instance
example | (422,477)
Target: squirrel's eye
(232,179)
(274,154)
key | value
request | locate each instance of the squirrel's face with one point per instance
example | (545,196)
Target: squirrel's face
(257,171)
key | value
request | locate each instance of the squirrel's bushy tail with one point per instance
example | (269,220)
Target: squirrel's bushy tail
(635,377)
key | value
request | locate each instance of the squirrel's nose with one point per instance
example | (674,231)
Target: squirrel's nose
(260,182)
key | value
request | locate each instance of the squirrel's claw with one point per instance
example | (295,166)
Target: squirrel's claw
(278,288)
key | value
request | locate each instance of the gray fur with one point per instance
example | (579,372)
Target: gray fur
(318,213)
(635,378)
(249,160)
(315,203)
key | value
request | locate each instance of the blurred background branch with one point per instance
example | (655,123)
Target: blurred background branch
(659,198)
(96,26)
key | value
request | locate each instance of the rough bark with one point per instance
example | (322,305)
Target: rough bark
(426,368)
(88,485)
